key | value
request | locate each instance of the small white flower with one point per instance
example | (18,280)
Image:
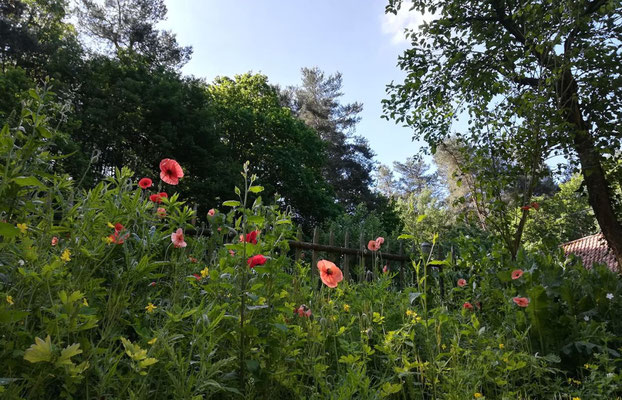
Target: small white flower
(21,262)
(610,375)
(586,318)
(610,296)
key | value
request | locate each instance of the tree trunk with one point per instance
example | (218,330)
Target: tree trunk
(599,192)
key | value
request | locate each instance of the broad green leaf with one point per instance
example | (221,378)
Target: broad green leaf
(8,316)
(405,236)
(256,189)
(256,219)
(231,203)
(67,353)
(40,351)
(8,230)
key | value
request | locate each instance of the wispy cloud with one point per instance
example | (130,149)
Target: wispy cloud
(396,24)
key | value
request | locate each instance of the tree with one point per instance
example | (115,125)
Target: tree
(415,176)
(385,182)
(129,26)
(545,73)
(349,159)
(287,155)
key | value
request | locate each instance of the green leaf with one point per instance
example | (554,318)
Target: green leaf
(44,132)
(283,221)
(405,236)
(40,351)
(8,230)
(256,219)
(231,203)
(8,316)
(255,189)
(28,181)
(421,218)
(67,353)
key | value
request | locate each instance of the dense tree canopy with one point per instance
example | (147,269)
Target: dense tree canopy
(531,78)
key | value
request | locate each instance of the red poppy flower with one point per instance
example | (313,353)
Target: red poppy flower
(211,212)
(155,198)
(152,284)
(535,205)
(517,273)
(178,238)
(462,282)
(468,306)
(373,245)
(118,239)
(329,273)
(250,237)
(303,311)
(256,260)
(145,183)
(521,301)
(525,208)
(170,171)
(197,277)
(54,241)
(192,259)
(118,227)
(385,269)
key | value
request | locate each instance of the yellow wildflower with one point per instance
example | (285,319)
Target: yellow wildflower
(346,307)
(418,319)
(576,398)
(9,299)
(66,256)
(204,272)
(478,395)
(152,341)
(410,313)
(84,302)
(587,366)
(150,307)
(501,346)
(22,228)
(443,346)
(108,239)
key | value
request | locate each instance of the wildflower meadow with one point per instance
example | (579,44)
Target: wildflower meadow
(430,210)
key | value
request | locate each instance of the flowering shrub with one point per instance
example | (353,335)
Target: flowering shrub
(108,294)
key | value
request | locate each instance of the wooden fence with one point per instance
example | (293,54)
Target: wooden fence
(335,253)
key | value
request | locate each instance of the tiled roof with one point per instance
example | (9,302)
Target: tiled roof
(592,249)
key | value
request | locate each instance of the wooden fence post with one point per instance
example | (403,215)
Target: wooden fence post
(193,221)
(331,242)
(346,259)
(362,249)
(314,254)
(298,238)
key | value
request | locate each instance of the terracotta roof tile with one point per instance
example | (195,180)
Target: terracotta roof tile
(592,249)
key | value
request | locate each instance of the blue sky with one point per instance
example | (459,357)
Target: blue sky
(279,37)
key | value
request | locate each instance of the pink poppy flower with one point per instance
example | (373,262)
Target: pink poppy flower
(211,212)
(161,212)
(145,183)
(256,260)
(178,238)
(462,282)
(380,240)
(170,171)
(468,306)
(152,284)
(330,274)
(54,241)
(373,245)
(231,253)
(517,273)
(385,269)
(521,301)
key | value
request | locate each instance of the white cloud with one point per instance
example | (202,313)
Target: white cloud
(396,24)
